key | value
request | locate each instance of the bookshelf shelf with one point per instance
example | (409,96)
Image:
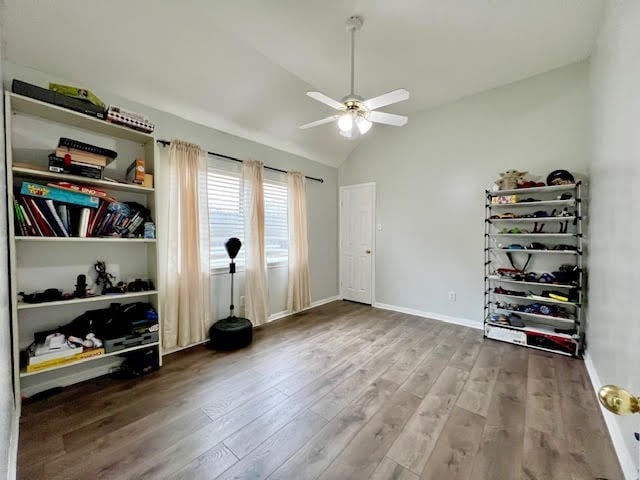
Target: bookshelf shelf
(96,298)
(24,373)
(85,239)
(39,262)
(23,171)
(22,104)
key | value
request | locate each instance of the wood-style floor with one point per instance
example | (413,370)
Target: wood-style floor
(341,391)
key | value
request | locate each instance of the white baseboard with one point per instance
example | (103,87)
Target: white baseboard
(317,303)
(169,351)
(74,377)
(434,316)
(624,456)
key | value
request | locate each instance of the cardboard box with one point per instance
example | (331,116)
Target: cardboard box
(148,180)
(136,171)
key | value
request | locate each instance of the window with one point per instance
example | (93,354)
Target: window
(276,232)
(226,217)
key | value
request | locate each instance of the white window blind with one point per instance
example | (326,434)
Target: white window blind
(275,222)
(226,217)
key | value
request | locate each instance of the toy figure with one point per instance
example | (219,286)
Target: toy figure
(105,278)
(510,179)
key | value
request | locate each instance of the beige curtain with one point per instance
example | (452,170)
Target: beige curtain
(185,253)
(256,294)
(299,295)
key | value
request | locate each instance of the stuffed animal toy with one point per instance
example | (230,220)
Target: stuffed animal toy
(510,179)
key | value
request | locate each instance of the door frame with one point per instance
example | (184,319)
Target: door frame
(373,237)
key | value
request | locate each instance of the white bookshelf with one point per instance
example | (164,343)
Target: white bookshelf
(56,261)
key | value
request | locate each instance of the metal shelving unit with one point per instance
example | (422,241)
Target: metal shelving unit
(555,332)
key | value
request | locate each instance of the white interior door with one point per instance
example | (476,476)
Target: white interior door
(357,213)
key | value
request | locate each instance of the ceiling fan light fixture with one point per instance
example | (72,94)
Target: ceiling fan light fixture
(345,122)
(363,124)
(355,115)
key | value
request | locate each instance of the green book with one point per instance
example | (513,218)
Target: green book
(76,92)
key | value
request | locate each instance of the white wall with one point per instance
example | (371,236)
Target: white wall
(431,176)
(321,198)
(613,329)
(7,405)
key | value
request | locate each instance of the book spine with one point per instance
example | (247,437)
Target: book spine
(25,206)
(59,195)
(17,220)
(96,352)
(84,220)
(46,229)
(56,217)
(86,147)
(31,231)
(46,213)
(63,213)
(98,218)
(79,156)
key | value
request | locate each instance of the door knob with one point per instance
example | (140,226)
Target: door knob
(618,400)
(368,251)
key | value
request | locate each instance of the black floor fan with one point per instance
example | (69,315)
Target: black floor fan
(232,332)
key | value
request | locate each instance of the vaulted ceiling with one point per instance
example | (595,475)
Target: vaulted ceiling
(244,66)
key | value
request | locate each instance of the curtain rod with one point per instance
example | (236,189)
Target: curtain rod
(165,143)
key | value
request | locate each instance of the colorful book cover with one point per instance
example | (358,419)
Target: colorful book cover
(58,194)
(76,92)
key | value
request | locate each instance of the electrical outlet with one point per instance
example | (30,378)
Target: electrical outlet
(242,300)
(452,296)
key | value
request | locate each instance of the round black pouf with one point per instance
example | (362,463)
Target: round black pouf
(231,333)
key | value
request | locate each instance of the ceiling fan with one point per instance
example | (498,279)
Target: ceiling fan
(356,115)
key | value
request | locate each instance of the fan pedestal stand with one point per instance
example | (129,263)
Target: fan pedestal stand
(233,332)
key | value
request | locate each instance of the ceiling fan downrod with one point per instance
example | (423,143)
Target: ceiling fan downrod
(354,23)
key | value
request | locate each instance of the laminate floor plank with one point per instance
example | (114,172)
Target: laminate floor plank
(362,455)
(273,452)
(312,459)
(339,391)
(416,442)
(500,452)
(476,394)
(456,447)
(545,456)
(424,376)
(390,470)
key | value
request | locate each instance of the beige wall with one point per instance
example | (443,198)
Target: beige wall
(7,406)
(613,328)
(431,175)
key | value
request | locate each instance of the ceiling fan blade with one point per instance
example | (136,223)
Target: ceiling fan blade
(386,99)
(388,118)
(319,122)
(321,97)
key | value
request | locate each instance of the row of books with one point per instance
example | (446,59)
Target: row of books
(68,210)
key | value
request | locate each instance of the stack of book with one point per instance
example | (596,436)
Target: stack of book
(79,158)
(64,209)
